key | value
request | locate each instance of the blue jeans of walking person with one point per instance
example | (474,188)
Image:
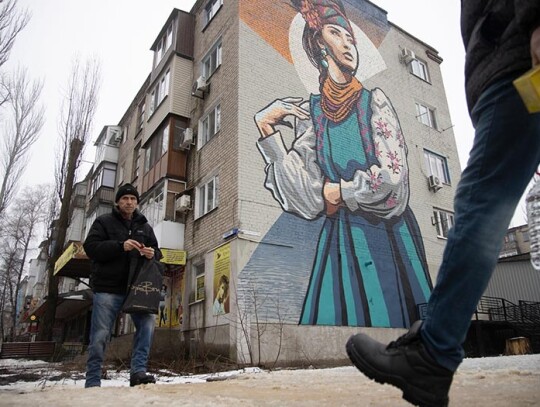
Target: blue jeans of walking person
(503,159)
(105,310)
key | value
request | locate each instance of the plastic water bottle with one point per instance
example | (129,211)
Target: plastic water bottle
(533,215)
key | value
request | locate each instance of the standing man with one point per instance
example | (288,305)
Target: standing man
(502,41)
(116,243)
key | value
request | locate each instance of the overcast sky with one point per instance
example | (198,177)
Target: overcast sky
(120,32)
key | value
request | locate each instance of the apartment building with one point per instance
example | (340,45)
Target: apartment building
(236,145)
(516,241)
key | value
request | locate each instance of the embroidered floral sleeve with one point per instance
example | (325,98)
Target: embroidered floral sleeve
(384,189)
(293,176)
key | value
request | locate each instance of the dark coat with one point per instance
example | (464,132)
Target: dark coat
(111,265)
(496,35)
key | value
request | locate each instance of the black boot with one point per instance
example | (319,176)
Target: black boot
(405,364)
(141,378)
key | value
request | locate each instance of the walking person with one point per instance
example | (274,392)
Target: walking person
(502,41)
(117,242)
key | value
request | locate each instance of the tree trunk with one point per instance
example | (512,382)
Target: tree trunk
(47,322)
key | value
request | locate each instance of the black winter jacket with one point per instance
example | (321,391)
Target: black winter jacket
(496,35)
(104,245)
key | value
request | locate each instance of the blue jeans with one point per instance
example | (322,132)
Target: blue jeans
(104,312)
(503,159)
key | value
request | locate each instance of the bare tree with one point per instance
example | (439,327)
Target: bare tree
(22,126)
(78,110)
(12,22)
(22,225)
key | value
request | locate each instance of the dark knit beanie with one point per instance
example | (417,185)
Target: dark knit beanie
(126,189)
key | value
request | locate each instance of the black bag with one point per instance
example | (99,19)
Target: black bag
(144,289)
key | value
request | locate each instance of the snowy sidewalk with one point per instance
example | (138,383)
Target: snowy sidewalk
(497,381)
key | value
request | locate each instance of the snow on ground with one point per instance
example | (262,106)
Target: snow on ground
(495,381)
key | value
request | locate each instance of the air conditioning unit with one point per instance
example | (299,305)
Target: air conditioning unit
(434,183)
(407,55)
(200,84)
(114,134)
(187,139)
(183,203)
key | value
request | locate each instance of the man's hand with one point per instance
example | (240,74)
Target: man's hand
(131,244)
(148,252)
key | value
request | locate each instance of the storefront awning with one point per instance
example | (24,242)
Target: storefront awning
(68,305)
(73,262)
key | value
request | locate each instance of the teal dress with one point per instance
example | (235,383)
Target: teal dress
(368,270)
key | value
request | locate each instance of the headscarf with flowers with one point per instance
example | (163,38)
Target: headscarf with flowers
(317,13)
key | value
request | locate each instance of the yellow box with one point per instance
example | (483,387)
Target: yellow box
(528,87)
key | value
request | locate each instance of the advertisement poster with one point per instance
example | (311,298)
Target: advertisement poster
(222,273)
(170,305)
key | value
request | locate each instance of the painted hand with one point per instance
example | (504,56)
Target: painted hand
(276,112)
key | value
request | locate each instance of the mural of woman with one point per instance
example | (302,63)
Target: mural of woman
(348,162)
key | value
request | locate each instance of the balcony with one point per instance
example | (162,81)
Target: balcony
(103,196)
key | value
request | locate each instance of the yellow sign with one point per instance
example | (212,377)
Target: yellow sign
(74,251)
(173,256)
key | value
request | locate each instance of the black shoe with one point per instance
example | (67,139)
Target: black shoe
(141,378)
(405,364)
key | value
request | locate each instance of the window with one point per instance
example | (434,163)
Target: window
(443,221)
(136,160)
(198,272)
(419,68)
(211,10)
(163,45)
(153,206)
(120,176)
(178,136)
(426,115)
(206,197)
(89,221)
(158,145)
(436,165)
(161,90)
(210,125)
(212,61)
(104,177)
(140,119)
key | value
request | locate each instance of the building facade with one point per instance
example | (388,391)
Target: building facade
(268,273)
(265,263)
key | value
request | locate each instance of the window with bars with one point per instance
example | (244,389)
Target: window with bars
(198,289)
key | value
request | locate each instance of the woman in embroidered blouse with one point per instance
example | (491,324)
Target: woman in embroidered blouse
(348,163)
